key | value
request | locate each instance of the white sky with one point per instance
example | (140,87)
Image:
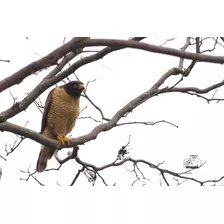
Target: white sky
(199,124)
(120,77)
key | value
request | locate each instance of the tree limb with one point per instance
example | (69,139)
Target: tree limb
(45,62)
(6,126)
(81,42)
(46,83)
(151,48)
(151,165)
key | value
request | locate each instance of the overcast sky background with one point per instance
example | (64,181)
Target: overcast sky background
(120,77)
(200,124)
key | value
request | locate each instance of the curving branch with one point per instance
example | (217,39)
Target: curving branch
(151,165)
(69,51)
(153,91)
(6,126)
(150,48)
(81,42)
(195,89)
(46,83)
(45,62)
(50,80)
(52,59)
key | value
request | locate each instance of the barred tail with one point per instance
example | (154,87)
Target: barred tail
(45,154)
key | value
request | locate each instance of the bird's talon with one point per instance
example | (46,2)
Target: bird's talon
(64,139)
(68,140)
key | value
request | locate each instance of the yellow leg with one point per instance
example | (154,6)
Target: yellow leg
(64,139)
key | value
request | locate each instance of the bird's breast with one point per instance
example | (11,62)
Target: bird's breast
(63,112)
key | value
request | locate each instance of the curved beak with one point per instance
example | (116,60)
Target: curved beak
(81,86)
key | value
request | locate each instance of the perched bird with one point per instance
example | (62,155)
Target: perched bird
(60,113)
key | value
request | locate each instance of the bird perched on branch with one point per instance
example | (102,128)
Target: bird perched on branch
(60,113)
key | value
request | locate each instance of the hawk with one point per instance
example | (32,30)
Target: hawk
(60,113)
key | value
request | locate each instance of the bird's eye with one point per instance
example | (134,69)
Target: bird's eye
(79,86)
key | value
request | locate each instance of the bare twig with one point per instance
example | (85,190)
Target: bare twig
(30,175)
(168,40)
(55,169)
(87,84)
(3,158)
(89,117)
(214,46)
(205,98)
(77,175)
(83,109)
(102,178)
(147,123)
(186,45)
(98,108)
(39,105)
(3,60)
(164,178)
(178,181)
(15,144)
(151,165)
(14,98)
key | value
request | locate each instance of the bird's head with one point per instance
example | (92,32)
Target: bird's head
(74,88)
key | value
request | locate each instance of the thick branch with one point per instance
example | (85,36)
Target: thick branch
(45,62)
(151,48)
(16,129)
(52,59)
(77,43)
(46,83)
(6,126)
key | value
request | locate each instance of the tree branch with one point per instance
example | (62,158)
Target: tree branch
(184,48)
(151,165)
(147,123)
(195,89)
(77,175)
(6,126)
(3,60)
(151,48)
(46,83)
(45,62)
(81,42)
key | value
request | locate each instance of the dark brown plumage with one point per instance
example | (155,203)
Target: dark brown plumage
(59,117)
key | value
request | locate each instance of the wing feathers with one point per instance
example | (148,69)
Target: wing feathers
(47,106)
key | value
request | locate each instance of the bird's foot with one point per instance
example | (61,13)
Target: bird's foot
(64,139)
